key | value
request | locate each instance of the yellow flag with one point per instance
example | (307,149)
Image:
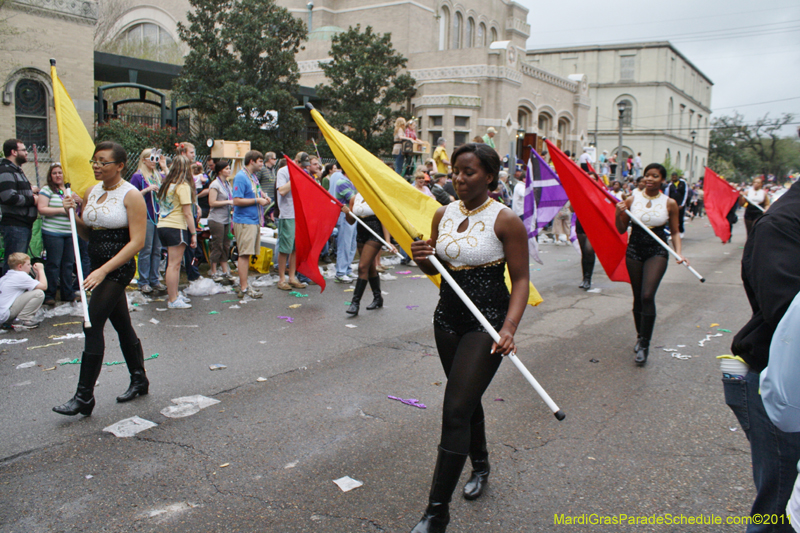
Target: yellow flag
(75,142)
(404,211)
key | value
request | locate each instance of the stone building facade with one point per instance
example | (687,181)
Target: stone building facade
(665,96)
(45,29)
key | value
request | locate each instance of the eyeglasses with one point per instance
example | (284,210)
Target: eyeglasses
(101,163)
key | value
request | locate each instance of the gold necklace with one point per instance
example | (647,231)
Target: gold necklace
(117,186)
(651,197)
(467,213)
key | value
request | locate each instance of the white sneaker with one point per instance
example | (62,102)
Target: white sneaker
(184,298)
(682,234)
(179,304)
(343,279)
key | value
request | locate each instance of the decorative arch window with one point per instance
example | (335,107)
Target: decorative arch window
(458,23)
(668,157)
(563,131)
(678,161)
(544,124)
(670,111)
(627,115)
(146,40)
(444,28)
(30,108)
(494,35)
(470,42)
(481,36)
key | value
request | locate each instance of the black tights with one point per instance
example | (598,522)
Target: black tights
(366,260)
(645,278)
(469,368)
(587,256)
(108,303)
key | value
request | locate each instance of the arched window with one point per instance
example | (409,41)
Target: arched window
(30,107)
(494,35)
(668,158)
(678,161)
(627,116)
(470,42)
(670,111)
(444,29)
(563,132)
(544,124)
(481,40)
(688,163)
(146,40)
(458,23)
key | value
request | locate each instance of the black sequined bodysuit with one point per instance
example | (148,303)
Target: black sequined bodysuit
(105,244)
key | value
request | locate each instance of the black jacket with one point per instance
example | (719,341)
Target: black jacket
(680,193)
(16,197)
(771,276)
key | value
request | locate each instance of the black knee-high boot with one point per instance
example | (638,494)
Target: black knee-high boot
(355,301)
(479,456)
(377,297)
(646,331)
(83,401)
(637,320)
(140,385)
(445,478)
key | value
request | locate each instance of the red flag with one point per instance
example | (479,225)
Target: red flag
(719,198)
(315,215)
(596,209)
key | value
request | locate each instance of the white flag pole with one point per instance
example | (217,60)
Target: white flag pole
(373,232)
(75,245)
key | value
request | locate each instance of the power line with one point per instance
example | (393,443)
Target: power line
(759,103)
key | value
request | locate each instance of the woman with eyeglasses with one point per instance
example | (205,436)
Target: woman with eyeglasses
(114,221)
(57,237)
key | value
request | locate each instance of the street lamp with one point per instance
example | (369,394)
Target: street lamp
(691,158)
(621,106)
(310,6)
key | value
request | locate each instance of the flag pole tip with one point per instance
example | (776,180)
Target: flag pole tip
(560,415)
(702,280)
(87,324)
(52,62)
(309,106)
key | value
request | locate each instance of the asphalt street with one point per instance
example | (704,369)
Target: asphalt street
(638,441)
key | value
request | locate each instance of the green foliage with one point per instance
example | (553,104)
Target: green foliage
(740,150)
(670,168)
(365,87)
(241,64)
(136,137)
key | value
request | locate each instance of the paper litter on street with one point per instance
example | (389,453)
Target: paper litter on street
(29,364)
(129,427)
(347,483)
(187,406)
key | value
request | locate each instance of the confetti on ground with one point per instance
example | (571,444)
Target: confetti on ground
(347,483)
(44,345)
(417,277)
(288,319)
(298,294)
(63,362)
(214,313)
(48,369)
(404,272)
(129,427)
(499,400)
(229,301)
(437,383)
(161,309)
(223,465)
(154,321)
(13,341)
(594,290)
(349,290)
(235,307)
(411,307)
(29,364)
(350,326)
(682,357)
(290,465)
(217,367)
(703,342)
(67,323)
(67,336)
(413,402)
(724,330)
(261,380)
(713,325)
(154,356)
(294,306)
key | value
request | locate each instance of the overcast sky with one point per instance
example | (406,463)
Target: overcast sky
(749,50)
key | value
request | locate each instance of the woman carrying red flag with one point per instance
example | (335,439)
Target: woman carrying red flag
(646,259)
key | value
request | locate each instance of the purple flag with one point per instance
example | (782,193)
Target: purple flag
(544,198)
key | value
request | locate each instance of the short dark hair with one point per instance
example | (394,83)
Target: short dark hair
(252,155)
(487,158)
(117,151)
(657,166)
(11,144)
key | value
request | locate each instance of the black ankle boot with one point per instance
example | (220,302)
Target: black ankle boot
(355,301)
(134,358)
(648,323)
(586,284)
(83,401)
(637,321)
(479,456)
(377,301)
(445,478)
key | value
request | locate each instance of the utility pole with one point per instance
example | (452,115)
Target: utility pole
(620,161)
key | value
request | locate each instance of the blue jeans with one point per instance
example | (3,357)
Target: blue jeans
(345,247)
(150,257)
(59,265)
(192,270)
(15,239)
(399,159)
(775,454)
(86,263)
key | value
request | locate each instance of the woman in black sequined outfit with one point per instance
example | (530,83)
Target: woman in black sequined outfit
(645,258)
(489,237)
(116,233)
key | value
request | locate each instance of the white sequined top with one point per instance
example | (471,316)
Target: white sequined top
(111,212)
(478,245)
(654,216)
